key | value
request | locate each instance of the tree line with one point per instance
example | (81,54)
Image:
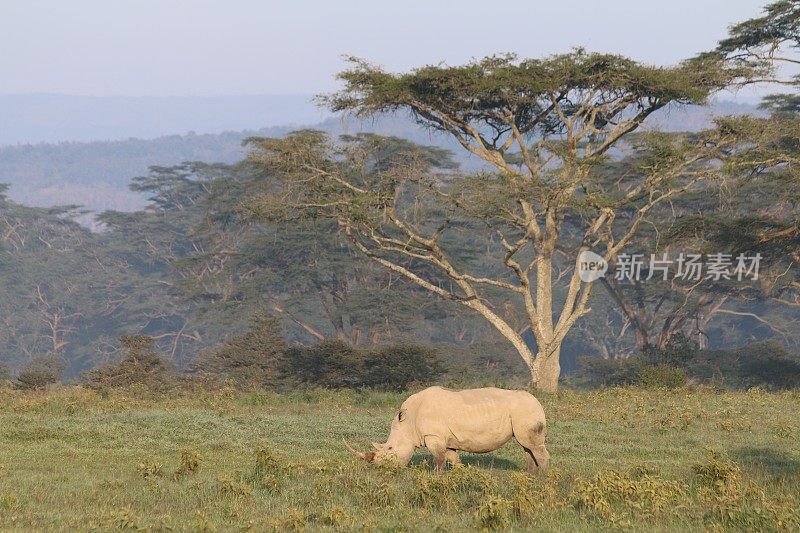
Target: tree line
(373,240)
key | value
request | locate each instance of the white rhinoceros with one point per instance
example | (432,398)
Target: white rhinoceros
(447,421)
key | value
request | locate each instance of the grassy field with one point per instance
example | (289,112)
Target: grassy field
(622,459)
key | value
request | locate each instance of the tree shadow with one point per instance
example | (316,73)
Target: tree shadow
(774,462)
(488,461)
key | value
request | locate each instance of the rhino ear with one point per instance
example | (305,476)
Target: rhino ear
(377,445)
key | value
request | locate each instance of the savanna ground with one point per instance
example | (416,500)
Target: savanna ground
(622,459)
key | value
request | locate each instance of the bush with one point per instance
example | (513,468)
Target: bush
(494,513)
(250,360)
(331,364)
(140,364)
(768,364)
(636,370)
(608,372)
(662,376)
(336,364)
(765,364)
(483,362)
(261,358)
(678,351)
(40,372)
(654,367)
(396,367)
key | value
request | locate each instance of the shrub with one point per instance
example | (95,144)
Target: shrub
(678,351)
(336,364)
(662,376)
(764,364)
(494,513)
(140,364)
(190,464)
(768,364)
(483,361)
(228,486)
(621,496)
(261,358)
(608,372)
(331,363)
(396,367)
(266,462)
(719,367)
(718,472)
(465,485)
(40,372)
(252,359)
(150,468)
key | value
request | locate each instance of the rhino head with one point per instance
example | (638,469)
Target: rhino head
(398,448)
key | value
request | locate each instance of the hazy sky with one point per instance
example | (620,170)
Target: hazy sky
(209,47)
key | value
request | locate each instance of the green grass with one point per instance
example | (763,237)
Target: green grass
(621,459)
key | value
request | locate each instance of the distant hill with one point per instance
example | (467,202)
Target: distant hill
(53,118)
(96,174)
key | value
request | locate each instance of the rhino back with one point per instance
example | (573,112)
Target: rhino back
(476,420)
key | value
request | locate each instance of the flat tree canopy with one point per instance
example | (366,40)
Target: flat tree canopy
(546,130)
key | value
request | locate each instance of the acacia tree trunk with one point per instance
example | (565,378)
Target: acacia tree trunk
(547,370)
(636,317)
(544,366)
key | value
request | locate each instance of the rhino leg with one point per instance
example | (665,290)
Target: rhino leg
(452,457)
(532,440)
(438,449)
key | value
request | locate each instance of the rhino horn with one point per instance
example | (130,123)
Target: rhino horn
(366,456)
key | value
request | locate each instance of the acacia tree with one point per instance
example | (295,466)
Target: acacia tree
(668,298)
(764,169)
(770,39)
(542,128)
(303,272)
(756,215)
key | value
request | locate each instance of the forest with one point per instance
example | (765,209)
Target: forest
(217,252)
(192,270)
